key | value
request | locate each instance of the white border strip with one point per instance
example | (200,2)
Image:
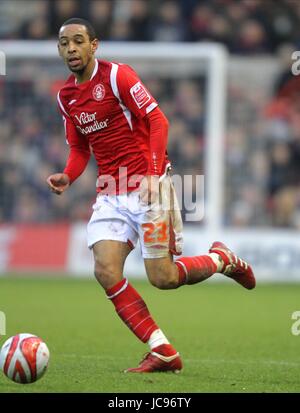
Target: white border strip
(119,291)
(115,89)
(61,105)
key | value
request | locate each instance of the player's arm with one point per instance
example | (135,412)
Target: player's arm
(140,102)
(77,161)
(158,136)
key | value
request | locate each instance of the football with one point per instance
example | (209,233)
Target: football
(24,358)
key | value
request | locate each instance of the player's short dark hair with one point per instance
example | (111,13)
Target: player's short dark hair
(89,27)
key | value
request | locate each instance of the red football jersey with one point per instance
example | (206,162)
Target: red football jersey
(107,114)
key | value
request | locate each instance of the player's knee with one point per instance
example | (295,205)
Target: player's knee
(164,280)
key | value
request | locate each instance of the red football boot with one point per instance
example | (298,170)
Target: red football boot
(234,267)
(154,362)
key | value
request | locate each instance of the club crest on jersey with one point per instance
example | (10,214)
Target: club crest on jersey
(98,92)
(140,95)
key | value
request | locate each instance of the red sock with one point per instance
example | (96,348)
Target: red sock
(202,263)
(132,309)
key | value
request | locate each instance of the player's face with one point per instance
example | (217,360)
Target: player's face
(75,47)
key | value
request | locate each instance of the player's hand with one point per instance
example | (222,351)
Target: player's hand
(149,189)
(58,183)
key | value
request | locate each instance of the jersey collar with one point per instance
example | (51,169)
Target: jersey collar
(95,69)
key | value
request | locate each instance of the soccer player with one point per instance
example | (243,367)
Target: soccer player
(108,111)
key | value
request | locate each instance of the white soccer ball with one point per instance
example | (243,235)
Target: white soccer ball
(24,358)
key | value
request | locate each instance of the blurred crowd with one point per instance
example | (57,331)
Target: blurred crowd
(263,149)
(244,26)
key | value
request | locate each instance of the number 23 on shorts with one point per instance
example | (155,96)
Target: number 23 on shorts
(155,232)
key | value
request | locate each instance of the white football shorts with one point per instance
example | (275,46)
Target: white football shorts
(123,218)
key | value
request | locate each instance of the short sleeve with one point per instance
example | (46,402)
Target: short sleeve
(133,92)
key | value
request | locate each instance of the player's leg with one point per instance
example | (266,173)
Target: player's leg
(161,234)
(109,259)
(111,236)
(163,273)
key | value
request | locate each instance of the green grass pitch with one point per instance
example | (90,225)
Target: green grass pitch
(230,339)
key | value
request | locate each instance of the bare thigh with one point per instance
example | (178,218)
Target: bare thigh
(109,260)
